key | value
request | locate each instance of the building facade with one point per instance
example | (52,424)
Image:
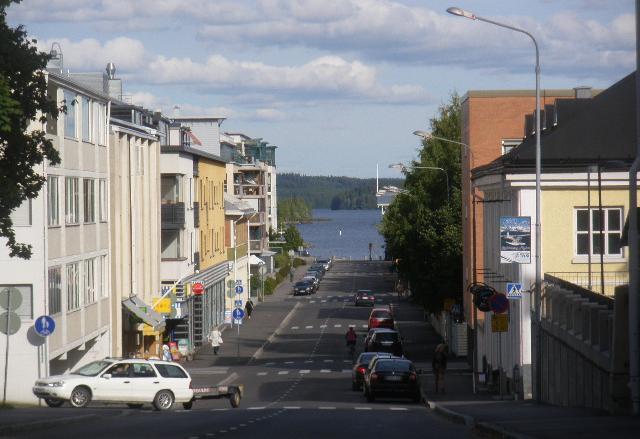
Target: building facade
(68,226)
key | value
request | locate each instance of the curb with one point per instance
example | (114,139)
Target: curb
(480,429)
(39,425)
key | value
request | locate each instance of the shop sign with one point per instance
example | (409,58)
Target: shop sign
(148,330)
(515,239)
(163,306)
(197,289)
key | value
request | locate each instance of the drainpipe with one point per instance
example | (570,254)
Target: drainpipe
(634,274)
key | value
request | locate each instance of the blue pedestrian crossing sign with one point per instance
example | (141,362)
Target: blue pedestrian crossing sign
(514,291)
(238,314)
(44,326)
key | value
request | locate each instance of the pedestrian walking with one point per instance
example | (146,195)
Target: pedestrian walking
(248,307)
(166,353)
(439,365)
(215,337)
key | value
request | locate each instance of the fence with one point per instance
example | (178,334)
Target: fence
(593,281)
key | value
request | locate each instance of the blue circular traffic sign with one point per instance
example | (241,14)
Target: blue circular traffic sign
(238,314)
(44,325)
(239,289)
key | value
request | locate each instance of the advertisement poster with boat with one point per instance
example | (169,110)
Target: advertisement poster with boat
(515,239)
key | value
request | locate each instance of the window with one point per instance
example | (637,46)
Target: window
(143,370)
(101,109)
(89,281)
(171,244)
(509,144)
(55,290)
(102,200)
(170,188)
(86,119)
(25,309)
(88,187)
(73,286)
(70,118)
(103,276)
(170,371)
(71,201)
(590,224)
(21,215)
(53,207)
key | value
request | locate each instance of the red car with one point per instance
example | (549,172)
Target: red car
(381,318)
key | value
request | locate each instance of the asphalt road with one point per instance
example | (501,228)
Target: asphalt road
(296,386)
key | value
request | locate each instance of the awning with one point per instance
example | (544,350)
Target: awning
(254,260)
(145,313)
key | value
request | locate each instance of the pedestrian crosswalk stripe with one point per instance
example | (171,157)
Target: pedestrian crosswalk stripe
(283,372)
(261,373)
(365,326)
(346,370)
(295,327)
(328,361)
(255,408)
(291,408)
(325,371)
(337,326)
(327,408)
(304,371)
(398,408)
(323,326)
(362,408)
(288,362)
(309,327)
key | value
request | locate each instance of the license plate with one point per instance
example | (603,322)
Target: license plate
(393,378)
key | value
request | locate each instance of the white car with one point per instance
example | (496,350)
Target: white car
(131,381)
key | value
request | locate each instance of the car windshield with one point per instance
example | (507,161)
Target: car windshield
(363,293)
(392,365)
(92,369)
(381,314)
(386,336)
(302,284)
(365,357)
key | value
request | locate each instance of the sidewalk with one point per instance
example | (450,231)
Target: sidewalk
(490,417)
(254,335)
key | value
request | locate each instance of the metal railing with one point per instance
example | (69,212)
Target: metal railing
(593,282)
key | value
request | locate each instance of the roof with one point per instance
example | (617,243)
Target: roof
(199,118)
(175,149)
(568,93)
(589,131)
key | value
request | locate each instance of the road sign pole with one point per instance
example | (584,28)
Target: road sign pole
(500,361)
(6,352)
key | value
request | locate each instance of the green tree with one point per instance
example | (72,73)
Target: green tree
(293,238)
(23,101)
(422,228)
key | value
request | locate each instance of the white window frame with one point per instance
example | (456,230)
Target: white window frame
(73,286)
(509,144)
(103,201)
(71,117)
(103,277)
(89,200)
(53,202)
(22,216)
(54,279)
(86,119)
(72,201)
(594,232)
(89,280)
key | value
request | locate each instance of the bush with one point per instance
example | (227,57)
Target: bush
(298,262)
(281,260)
(270,285)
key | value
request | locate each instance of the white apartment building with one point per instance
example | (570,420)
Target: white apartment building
(68,226)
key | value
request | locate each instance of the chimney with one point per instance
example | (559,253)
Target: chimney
(583,92)
(112,86)
(111,71)
(56,61)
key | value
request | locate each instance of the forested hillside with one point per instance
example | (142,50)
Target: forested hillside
(322,192)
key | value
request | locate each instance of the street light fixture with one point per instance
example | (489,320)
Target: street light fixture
(537,300)
(402,167)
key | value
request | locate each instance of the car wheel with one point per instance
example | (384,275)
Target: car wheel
(187,405)
(163,400)
(80,397)
(234,399)
(134,406)
(52,402)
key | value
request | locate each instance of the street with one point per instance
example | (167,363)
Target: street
(297,384)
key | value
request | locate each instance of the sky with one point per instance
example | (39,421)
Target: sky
(338,85)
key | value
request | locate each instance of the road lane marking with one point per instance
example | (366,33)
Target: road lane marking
(258,353)
(256,408)
(362,408)
(328,361)
(337,326)
(326,408)
(228,380)
(308,327)
(219,410)
(346,361)
(323,301)
(346,370)
(312,301)
(295,327)
(325,371)
(365,326)
(323,326)
(309,361)
(283,372)
(291,408)
(288,362)
(261,374)
(270,363)
(304,371)
(398,408)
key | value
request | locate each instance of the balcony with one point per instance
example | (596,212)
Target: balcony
(251,190)
(196,214)
(257,219)
(256,245)
(172,216)
(242,251)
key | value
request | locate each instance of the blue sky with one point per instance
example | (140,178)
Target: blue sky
(337,85)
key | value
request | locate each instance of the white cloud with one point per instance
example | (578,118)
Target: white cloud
(322,78)
(91,55)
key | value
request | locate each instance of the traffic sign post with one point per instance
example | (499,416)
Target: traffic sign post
(44,326)
(10,299)
(514,291)
(238,314)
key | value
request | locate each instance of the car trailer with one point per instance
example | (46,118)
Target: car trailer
(233,393)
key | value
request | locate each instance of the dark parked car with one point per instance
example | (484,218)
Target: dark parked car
(313,281)
(364,297)
(360,368)
(396,377)
(370,334)
(303,288)
(381,318)
(326,262)
(385,340)
(318,267)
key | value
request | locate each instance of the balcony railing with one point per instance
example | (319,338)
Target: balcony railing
(257,218)
(594,282)
(256,244)
(248,190)
(172,215)
(242,251)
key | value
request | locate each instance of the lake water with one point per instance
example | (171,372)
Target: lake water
(345,234)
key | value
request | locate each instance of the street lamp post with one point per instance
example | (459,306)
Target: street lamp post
(403,168)
(538,284)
